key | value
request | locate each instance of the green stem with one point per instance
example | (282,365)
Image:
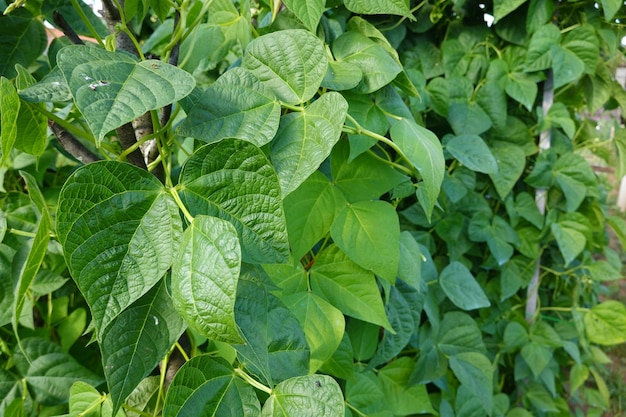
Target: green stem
(350,406)
(564,309)
(21,233)
(399,167)
(256,384)
(68,127)
(291,107)
(180,204)
(87,23)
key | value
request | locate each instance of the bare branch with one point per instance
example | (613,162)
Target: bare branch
(60,21)
(72,145)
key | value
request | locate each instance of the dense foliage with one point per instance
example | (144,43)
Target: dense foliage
(307,208)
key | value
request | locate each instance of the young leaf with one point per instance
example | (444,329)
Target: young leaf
(119,229)
(471,151)
(310,211)
(276,347)
(305,396)
(309,12)
(207,386)
(292,63)
(423,150)
(322,323)
(237,105)
(605,323)
(369,233)
(137,340)
(233,180)
(305,139)
(112,88)
(475,372)
(204,278)
(458,283)
(347,286)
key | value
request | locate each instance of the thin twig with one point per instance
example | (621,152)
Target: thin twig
(72,145)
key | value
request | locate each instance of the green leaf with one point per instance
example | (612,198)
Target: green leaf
(567,66)
(539,56)
(22,39)
(369,233)
(341,365)
(511,163)
(410,261)
(309,12)
(119,229)
(238,106)
(473,152)
(276,347)
(459,333)
(322,323)
(9,111)
(306,138)
(204,278)
(49,371)
(207,386)
(84,400)
(342,75)
(468,119)
(137,340)
(7,290)
(571,241)
(404,398)
(502,8)
(51,88)
(558,116)
(605,323)
(233,180)
(310,211)
(526,207)
(305,396)
(536,356)
(365,177)
(458,283)
(292,63)
(74,16)
(397,7)
(522,88)
(492,99)
(378,67)
(610,7)
(475,372)
(515,336)
(347,286)
(423,150)
(112,88)
(365,395)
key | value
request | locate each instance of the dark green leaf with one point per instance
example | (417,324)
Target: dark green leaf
(119,229)
(342,75)
(511,163)
(74,17)
(22,39)
(468,118)
(537,357)
(458,283)
(233,180)
(475,372)
(238,106)
(292,63)
(459,333)
(341,364)
(539,56)
(502,8)
(404,399)
(473,152)
(369,233)
(365,395)
(305,396)
(137,340)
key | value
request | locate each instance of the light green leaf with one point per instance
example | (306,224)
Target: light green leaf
(605,323)
(526,207)
(539,56)
(119,229)
(84,400)
(51,88)
(276,347)
(558,116)
(522,88)
(369,233)
(347,286)
(74,16)
(7,290)
(404,398)
(305,396)
(49,371)
(610,7)
(473,152)
(342,75)
(584,43)
(112,88)
(309,12)
(458,283)
(9,111)
(502,8)
(378,67)
(292,63)
(410,262)
(475,372)
(237,105)
(305,139)
(468,118)
(570,240)
(365,177)
(233,180)
(137,340)
(536,356)
(397,7)
(567,66)
(423,150)
(22,40)
(511,163)
(208,386)
(578,375)
(204,278)
(310,211)
(323,325)
(365,395)
(491,97)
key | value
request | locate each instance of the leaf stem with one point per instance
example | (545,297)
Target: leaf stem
(256,384)
(87,23)
(22,233)
(180,204)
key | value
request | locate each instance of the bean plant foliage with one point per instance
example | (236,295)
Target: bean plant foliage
(307,208)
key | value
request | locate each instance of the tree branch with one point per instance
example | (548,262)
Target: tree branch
(72,145)
(60,21)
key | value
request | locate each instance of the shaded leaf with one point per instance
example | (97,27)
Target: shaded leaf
(22,39)
(475,372)
(458,283)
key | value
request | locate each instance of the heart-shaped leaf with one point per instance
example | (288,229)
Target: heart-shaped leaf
(204,278)
(458,283)
(119,229)
(305,396)
(305,139)
(291,62)
(471,151)
(112,88)
(309,12)
(233,180)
